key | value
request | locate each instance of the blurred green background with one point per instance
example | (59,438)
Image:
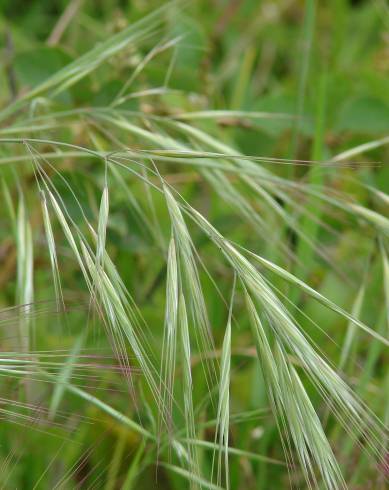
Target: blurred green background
(325,64)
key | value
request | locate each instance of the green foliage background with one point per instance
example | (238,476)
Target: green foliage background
(295,83)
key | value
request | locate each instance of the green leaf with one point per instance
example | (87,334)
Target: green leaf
(366,115)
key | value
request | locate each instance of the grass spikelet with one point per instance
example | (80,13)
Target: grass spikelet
(25,267)
(351,333)
(119,322)
(52,252)
(319,297)
(102,227)
(169,346)
(191,282)
(113,303)
(223,409)
(190,428)
(68,233)
(353,415)
(64,377)
(385,266)
(290,401)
